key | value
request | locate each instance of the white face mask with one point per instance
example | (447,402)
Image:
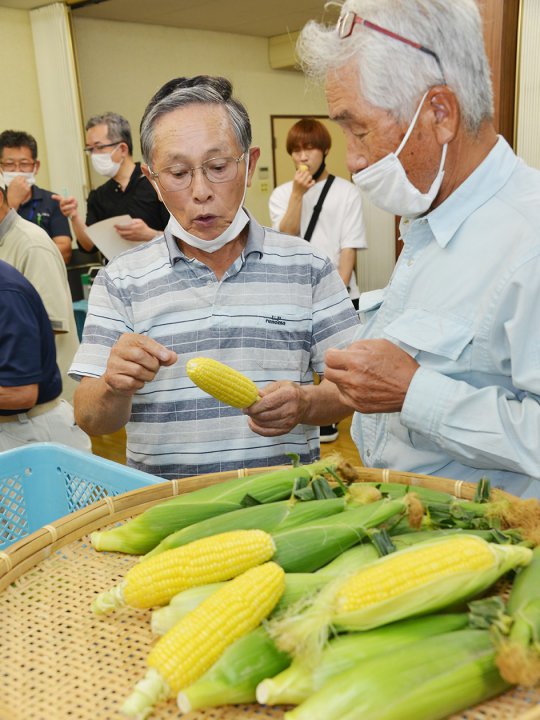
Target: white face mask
(387,185)
(104,164)
(238,223)
(29,177)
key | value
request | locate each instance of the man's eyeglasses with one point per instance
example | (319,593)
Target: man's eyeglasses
(347,22)
(99,148)
(216,170)
(16,165)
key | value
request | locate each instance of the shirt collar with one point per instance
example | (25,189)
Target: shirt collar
(7,223)
(486,180)
(254,244)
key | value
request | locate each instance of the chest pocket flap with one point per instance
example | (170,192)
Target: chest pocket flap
(424,331)
(369,302)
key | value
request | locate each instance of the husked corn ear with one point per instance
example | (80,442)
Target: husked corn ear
(401,573)
(197,641)
(212,559)
(222,382)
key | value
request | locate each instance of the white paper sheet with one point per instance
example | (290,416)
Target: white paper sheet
(107,240)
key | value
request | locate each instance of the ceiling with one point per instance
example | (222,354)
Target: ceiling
(262,18)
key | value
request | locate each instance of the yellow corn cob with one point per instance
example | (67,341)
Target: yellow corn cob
(212,559)
(197,641)
(222,382)
(380,582)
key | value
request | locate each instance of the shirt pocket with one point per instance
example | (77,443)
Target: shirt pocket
(440,342)
(368,303)
(287,342)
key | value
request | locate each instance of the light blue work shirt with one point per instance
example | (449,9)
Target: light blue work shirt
(464,301)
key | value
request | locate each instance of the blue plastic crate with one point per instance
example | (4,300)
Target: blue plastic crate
(42,482)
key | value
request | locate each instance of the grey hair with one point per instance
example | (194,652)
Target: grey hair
(117,128)
(203,90)
(394,75)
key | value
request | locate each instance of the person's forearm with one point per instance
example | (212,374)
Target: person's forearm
(322,404)
(290,222)
(98,410)
(153,233)
(79,228)
(63,243)
(347,261)
(21,397)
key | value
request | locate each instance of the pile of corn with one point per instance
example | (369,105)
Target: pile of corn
(285,589)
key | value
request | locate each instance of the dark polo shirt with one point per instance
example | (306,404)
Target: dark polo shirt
(42,210)
(27,349)
(139,200)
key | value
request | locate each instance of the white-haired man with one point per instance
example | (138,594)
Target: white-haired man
(215,284)
(444,374)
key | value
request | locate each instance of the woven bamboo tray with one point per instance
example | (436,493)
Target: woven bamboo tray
(59,662)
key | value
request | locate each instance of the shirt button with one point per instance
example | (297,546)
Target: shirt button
(368,453)
(410,261)
(209,283)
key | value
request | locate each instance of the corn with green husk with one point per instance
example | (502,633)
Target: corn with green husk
(222,382)
(426,680)
(308,547)
(518,655)
(421,579)
(144,532)
(195,643)
(236,674)
(269,517)
(296,585)
(301,679)
(156,580)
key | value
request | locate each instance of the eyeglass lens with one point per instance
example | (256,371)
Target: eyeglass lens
(217,170)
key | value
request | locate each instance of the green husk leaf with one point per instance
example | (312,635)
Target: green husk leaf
(144,532)
(432,678)
(310,546)
(300,680)
(518,655)
(249,501)
(235,676)
(268,516)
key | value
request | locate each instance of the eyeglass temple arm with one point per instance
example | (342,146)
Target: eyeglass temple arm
(412,43)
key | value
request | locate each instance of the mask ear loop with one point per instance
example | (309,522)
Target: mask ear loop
(411,125)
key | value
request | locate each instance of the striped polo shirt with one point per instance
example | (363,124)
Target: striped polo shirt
(272,316)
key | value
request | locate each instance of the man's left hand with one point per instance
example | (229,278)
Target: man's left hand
(372,376)
(279,410)
(136,230)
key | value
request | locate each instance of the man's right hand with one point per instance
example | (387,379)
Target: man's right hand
(134,361)
(68,205)
(18,192)
(302,181)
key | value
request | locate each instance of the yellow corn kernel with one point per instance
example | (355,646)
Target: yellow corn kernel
(184,653)
(222,382)
(403,572)
(212,559)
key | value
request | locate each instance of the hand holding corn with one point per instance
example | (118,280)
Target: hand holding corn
(222,382)
(134,361)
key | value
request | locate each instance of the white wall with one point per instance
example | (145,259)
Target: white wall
(528,90)
(121,65)
(20,108)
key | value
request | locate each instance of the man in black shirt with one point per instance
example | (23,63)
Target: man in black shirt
(127,192)
(20,164)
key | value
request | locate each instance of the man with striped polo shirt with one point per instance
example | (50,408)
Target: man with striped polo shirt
(215,284)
